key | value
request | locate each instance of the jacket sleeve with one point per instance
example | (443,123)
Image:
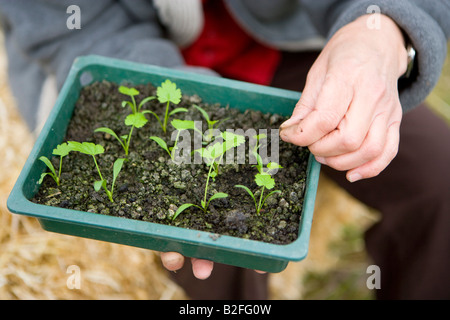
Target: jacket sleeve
(425,23)
(40,44)
(108,27)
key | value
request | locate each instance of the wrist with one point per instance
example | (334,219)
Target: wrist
(390,39)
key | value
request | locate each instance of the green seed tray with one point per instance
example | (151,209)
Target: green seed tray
(191,243)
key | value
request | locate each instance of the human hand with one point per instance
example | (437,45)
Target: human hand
(201,269)
(349,113)
(174,261)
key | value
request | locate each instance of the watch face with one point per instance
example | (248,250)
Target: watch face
(411,53)
(411,56)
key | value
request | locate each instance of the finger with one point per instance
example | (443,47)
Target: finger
(354,127)
(301,110)
(172,261)
(371,148)
(307,100)
(376,166)
(332,104)
(202,268)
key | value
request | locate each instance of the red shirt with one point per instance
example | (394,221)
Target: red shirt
(226,48)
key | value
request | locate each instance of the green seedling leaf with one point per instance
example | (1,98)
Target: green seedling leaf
(48,163)
(62,150)
(161,143)
(128,91)
(144,101)
(177,110)
(86,147)
(118,164)
(210,122)
(270,193)
(259,162)
(98,184)
(122,140)
(108,131)
(183,124)
(211,152)
(136,119)
(181,209)
(232,140)
(218,195)
(43,176)
(203,112)
(127,103)
(152,113)
(216,150)
(168,92)
(248,191)
(264,180)
(273,165)
(260,136)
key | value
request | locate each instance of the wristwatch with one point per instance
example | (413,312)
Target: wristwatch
(411,58)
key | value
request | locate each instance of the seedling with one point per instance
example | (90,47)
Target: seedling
(167,93)
(132,92)
(213,155)
(263,178)
(265,181)
(270,167)
(136,119)
(210,123)
(61,150)
(259,161)
(93,150)
(178,125)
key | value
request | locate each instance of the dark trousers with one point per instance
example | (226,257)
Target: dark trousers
(411,242)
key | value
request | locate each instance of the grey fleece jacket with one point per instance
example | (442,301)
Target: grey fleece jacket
(39,44)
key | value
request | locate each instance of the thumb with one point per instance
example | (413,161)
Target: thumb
(304,105)
(202,268)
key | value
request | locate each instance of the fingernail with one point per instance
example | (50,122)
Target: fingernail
(291,121)
(283,136)
(285,124)
(171,260)
(321,160)
(354,177)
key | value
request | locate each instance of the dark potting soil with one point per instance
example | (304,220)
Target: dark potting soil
(151,187)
